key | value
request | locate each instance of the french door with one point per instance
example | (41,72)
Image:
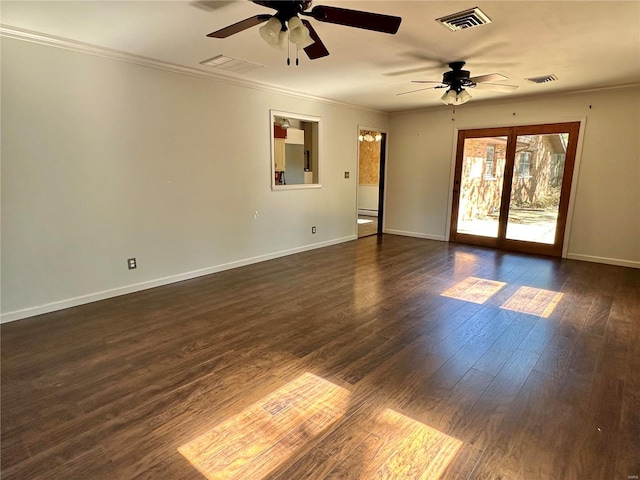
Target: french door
(512,186)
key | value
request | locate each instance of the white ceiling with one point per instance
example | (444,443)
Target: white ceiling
(586,44)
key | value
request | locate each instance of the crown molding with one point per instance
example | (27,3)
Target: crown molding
(122,56)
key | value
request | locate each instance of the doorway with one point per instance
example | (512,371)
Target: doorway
(370,187)
(512,187)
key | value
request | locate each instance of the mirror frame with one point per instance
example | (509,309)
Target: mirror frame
(294,116)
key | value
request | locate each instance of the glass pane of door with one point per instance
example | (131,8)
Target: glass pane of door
(536,186)
(481,182)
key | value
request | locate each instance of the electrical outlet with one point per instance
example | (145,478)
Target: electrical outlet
(131,262)
(346,174)
(313,229)
(256,215)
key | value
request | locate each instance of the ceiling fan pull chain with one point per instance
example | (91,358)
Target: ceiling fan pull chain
(288,49)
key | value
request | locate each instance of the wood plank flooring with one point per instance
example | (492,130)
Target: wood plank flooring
(387,357)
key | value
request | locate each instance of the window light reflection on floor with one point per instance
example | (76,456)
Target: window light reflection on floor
(475,290)
(410,449)
(529,300)
(256,441)
(533,301)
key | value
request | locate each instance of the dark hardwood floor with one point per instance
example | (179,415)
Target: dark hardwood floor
(386,357)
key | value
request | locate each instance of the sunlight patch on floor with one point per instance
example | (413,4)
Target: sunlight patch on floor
(364,220)
(256,441)
(475,290)
(533,301)
(529,300)
(410,449)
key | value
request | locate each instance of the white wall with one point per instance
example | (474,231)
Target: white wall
(605,226)
(103,160)
(368,197)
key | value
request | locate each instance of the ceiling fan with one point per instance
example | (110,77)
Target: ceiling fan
(301,33)
(457,79)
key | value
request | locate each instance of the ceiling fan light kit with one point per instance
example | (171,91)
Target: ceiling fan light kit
(298,33)
(452,97)
(270,31)
(463,97)
(274,33)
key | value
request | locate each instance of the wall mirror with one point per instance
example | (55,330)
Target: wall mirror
(295,160)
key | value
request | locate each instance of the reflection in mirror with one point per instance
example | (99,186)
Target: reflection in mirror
(294,150)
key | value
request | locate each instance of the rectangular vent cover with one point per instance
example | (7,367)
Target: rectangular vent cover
(229,64)
(473,17)
(542,79)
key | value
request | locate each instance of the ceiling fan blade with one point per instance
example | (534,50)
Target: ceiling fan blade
(406,72)
(492,77)
(496,87)
(421,89)
(436,64)
(317,48)
(355,18)
(240,26)
(424,81)
(210,5)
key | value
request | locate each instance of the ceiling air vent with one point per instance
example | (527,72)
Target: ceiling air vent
(467,19)
(542,79)
(230,64)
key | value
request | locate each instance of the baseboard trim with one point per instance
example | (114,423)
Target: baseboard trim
(137,287)
(610,261)
(367,213)
(571,256)
(427,236)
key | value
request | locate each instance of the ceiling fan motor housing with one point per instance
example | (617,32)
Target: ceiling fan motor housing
(290,5)
(457,78)
(285,9)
